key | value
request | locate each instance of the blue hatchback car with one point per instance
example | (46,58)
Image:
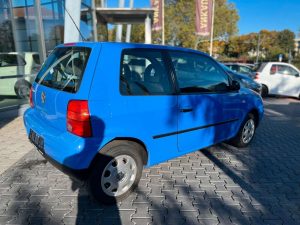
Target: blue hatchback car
(102,111)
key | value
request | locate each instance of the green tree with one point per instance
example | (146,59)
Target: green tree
(180,25)
(286,40)
(272,43)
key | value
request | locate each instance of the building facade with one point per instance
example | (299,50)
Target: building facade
(21,42)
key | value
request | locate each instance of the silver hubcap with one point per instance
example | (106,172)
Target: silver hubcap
(119,175)
(248,131)
(24,91)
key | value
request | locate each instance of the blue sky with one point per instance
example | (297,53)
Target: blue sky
(255,15)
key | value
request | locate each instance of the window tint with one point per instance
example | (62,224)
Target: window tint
(11,60)
(235,68)
(198,73)
(244,69)
(64,68)
(36,58)
(143,72)
(284,70)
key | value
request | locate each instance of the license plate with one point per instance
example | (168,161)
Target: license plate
(37,140)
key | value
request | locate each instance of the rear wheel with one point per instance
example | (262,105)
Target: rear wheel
(116,172)
(22,89)
(246,132)
(264,91)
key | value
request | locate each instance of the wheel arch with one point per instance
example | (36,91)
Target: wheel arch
(266,86)
(255,113)
(142,149)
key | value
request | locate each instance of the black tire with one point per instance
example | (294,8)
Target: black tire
(106,160)
(239,140)
(22,89)
(264,91)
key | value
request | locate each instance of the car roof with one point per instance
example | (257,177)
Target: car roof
(279,63)
(125,45)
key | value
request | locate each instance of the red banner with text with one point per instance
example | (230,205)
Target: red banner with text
(157,17)
(203,17)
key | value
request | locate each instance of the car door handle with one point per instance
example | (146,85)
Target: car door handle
(186,110)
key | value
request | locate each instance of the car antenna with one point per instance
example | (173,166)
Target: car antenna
(82,37)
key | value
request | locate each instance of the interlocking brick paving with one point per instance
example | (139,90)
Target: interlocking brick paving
(259,184)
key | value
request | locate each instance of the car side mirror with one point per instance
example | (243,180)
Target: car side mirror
(235,85)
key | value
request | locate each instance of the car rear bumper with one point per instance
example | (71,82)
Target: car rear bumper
(63,148)
(81,174)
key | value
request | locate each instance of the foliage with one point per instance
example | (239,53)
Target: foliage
(286,40)
(270,43)
(180,25)
(296,61)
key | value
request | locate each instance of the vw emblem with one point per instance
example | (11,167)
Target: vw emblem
(43,97)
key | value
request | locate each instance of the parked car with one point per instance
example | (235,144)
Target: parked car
(244,80)
(279,79)
(17,72)
(240,68)
(100,111)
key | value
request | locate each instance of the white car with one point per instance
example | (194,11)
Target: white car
(279,79)
(17,72)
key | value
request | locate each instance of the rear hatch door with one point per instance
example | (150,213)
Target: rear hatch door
(66,74)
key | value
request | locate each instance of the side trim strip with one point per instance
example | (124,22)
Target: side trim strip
(193,129)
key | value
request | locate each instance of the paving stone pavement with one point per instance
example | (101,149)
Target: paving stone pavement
(14,144)
(259,184)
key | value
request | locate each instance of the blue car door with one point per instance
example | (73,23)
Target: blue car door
(208,109)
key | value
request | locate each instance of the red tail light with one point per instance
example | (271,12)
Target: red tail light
(31,97)
(78,118)
(256,76)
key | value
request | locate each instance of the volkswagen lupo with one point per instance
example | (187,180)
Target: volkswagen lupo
(102,111)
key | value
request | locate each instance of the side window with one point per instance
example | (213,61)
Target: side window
(198,73)
(274,69)
(11,60)
(235,68)
(283,70)
(244,69)
(143,72)
(292,71)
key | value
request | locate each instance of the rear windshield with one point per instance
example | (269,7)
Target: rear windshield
(64,68)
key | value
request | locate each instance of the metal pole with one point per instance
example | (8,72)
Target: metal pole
(128,31)
(40,29)
(148,30)
(212,29)
(94,16)
(163,23)
(120,26)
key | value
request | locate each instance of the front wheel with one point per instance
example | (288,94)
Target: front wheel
(246,132)
(116,172)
